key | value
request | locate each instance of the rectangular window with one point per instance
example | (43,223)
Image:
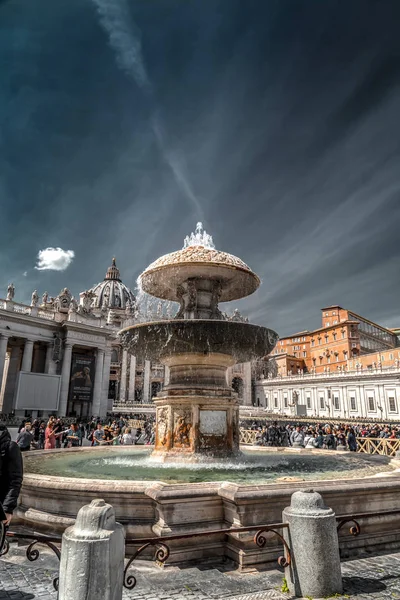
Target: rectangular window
(285,401)
(392,404)
(335,322)
(319,341)
(343,335)
(312,343)
(353,405)
(327,324)
(391,356)
(304,354)
(336,402)
(308,402)
(334,337)
(266,401)
(276,401)
(371,403)
(322,402)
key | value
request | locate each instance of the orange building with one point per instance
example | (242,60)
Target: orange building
(344,340)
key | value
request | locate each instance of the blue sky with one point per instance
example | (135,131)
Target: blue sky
(275,122)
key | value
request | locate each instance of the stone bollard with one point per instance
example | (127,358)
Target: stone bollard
(312,536)
(92,555)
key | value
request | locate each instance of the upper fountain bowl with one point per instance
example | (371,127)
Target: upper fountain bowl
(163,277)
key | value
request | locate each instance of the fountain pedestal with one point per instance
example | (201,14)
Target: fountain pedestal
(197,412)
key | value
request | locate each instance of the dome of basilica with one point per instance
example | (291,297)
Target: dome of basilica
(111,292)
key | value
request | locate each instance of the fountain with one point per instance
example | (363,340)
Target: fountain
(196,478)
(197,412)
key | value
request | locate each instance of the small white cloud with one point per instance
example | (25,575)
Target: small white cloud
(54,259)
(25,273)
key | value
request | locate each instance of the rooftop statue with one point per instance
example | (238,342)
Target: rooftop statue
(10,291)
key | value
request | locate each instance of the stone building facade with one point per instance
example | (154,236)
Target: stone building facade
(344,336)
(348,368)
(60,355)
(354,394)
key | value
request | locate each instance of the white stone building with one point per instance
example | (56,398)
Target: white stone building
(61,356)
(359,394)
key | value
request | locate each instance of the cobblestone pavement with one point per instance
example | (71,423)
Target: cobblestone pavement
(376,578)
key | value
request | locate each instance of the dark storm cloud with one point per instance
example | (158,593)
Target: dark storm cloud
(278,122)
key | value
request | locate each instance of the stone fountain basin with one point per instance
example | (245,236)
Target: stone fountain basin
(158,339)
(49,504)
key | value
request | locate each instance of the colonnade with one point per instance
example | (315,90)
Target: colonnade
(7,387)
(127,385)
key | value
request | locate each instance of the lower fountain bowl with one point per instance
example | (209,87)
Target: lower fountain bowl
(158,339)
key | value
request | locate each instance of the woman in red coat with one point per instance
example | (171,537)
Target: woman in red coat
(49,436)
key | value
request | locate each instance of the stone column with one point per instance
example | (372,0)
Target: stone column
(132,379)
(312,536)
(246,400)
(3,352)
(27,356)
(146,382)
(98,383)
(106,383)
(92,557)
(65,379)
(122,387)
(50,366)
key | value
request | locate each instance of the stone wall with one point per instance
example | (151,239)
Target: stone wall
(146,509)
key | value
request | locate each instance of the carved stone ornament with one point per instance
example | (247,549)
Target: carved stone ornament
(87,302)
(63,301)
(182,428)
(162,425)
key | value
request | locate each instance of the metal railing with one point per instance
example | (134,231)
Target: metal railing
(32,552)
(366,445)
(382,446)
(162,550)
(161,544)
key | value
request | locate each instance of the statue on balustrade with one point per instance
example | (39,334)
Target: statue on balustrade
(10,291)
(45,298)
(63,300)
(35,298)
(73,305)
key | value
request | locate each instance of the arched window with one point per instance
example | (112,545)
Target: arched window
(155,388)
(237,386)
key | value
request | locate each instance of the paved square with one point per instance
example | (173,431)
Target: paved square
(369,578)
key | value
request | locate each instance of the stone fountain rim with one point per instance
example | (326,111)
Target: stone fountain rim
(167,293)
(78,484)
(243,352)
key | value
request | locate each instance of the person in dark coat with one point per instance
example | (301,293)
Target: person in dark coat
(11,473)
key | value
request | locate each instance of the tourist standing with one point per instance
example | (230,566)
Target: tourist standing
(127,438)
(42,431)
(73,436)
(50,438)
(25,438)
(11,474)
(351,440)
(98,435)
(297,437)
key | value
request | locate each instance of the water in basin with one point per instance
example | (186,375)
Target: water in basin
(255,467)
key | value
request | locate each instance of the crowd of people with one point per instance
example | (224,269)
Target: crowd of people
(59,433)
(55,433)
(319,435)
